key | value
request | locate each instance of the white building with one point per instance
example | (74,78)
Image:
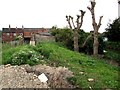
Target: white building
(118,8)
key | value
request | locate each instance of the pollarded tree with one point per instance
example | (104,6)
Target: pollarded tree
(75,28)
(95,27)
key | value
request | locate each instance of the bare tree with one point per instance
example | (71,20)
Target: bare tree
(95,27)
(76,28)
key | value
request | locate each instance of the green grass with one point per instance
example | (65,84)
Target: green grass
(105,75)
(8,51)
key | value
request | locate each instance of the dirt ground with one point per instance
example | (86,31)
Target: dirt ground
(26,76)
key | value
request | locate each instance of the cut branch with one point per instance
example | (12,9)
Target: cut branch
(73,22)
(86,40)
(77,21)
(82,15)
(99,24)
(68,19)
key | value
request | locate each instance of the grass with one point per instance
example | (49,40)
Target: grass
(104,75)
(8,51)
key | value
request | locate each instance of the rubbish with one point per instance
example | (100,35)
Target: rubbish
(104,51)
(32,43)
(81,73)
(43,78)
(90,79)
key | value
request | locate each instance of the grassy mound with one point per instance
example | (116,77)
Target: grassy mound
(84,67)
(104,75)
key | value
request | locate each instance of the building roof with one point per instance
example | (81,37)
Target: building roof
(7,30)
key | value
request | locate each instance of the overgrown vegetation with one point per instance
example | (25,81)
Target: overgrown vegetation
(113,31)
(112,46)
(24,54)
(65,37)
(104,75)
(112,51)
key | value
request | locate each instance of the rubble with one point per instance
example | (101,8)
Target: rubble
(26,76)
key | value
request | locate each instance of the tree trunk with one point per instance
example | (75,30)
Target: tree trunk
(76,46)
(95,44)
(95,27)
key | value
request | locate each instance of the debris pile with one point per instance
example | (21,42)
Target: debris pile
(26,76)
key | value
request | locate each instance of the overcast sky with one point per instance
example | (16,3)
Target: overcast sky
(47,13)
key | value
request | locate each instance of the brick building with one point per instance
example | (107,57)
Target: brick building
(10,34)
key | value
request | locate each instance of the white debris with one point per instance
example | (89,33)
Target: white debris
(43,78)
(81,73)
(104,51)
(105,39)
(32,43)
(8,65)
(90,79)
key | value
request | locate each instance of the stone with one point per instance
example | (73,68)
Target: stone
(81,73)
(90,79)
(8,65)
(43,78)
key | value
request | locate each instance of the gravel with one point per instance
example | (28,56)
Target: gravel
(26,76)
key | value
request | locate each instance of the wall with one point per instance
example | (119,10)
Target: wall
(40,38)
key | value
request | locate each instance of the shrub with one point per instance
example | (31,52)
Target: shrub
(25,56)
(113,31)
(111,55)
(115,46)
(64,36)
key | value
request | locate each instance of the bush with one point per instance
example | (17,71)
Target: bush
(113,31)
(115,46)
(25,56)
(63,36)
(112,55)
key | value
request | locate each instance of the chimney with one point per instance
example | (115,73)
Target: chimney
(16,28)
(22,27)
(9,27)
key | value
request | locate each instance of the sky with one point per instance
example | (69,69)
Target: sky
(48,13)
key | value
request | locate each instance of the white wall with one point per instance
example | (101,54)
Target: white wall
(118,10)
